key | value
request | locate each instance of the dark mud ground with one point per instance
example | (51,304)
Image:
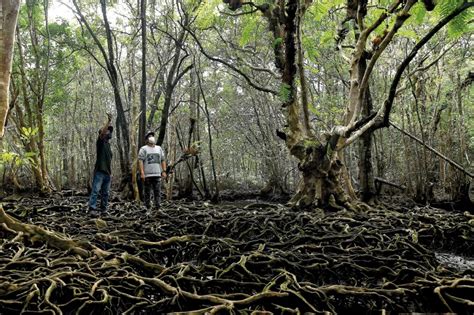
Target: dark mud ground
(237,257)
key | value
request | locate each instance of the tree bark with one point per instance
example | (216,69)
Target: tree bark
(215,196)
(142,124)
(304,88)
(134,142)
(41,77)
(191,165)
(366,171)
(172,79)
(170,180)
(29,122)
(8,17)
(318,163)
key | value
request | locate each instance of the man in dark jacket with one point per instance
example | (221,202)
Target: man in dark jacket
(102,170)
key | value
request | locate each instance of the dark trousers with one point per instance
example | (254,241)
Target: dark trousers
(152,190)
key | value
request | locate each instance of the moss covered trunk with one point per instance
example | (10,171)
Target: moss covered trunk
(8,17)
(319,167)
(320,172)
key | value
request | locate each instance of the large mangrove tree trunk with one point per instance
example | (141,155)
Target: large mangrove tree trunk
(317,159)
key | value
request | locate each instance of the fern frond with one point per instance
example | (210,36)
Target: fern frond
(459,25)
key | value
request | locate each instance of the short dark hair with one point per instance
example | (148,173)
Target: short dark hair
(109,128)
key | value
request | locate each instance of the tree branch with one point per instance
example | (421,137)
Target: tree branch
(456,165)
(91,32)
(180,75)
(382,119)
(420,68)
(249,81)
(387,107)
(400,20)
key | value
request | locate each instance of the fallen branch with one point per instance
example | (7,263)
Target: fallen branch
(386,182)
(456,165)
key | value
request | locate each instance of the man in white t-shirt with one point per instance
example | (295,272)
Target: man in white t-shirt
(152,164)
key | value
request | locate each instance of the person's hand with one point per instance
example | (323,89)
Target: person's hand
(163,174)
(142,176)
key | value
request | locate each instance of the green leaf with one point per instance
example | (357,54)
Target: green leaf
(445,7)
(326,37)
(313,110)
(27,132)
(418,13)
(310,47)
(459,25)
(284,93)
(7,157)
(30,154)
(320,8)
(207,13)
(250,29)
(408,33)
(278,41)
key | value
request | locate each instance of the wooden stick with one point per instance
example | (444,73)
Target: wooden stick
(386,182)
(456,165)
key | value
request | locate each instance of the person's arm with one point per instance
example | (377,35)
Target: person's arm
(163,164)
(103,130)
(163,169)
(142,171)
(141,158)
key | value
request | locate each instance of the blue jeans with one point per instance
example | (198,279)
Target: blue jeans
(100,183)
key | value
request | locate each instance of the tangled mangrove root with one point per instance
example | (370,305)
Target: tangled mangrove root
(230,258)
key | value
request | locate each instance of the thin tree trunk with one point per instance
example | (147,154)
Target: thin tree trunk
(142,124)
(29,143)
(171,158)
(8,18)
(121,121)
(304,89)
(211,152)
(366,171)
(199,163)
(65,162)
(40,82)
(189,178)
(156,100)
(122,132)
(42,86)
(134,142)
(171,81)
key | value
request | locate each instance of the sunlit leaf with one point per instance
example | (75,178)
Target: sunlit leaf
(207,13)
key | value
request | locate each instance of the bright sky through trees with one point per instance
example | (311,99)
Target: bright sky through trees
(59,10)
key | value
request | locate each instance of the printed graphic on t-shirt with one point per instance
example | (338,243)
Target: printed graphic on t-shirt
(153,158)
